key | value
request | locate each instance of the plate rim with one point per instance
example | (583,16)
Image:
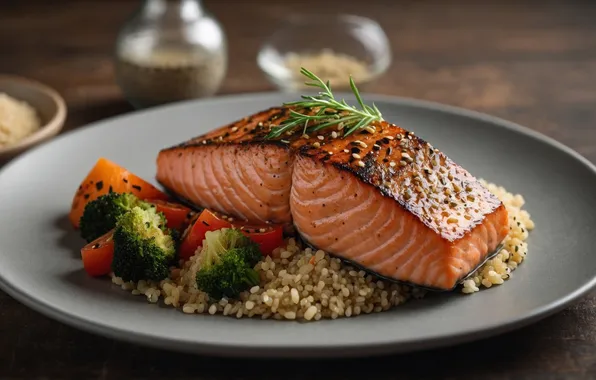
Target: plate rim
(328,350)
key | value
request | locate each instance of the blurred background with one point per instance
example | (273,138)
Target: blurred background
(530,61)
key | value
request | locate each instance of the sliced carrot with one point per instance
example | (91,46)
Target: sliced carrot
(107,176)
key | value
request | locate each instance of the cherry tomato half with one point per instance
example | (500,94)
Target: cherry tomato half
(175,213)
(195,233)
(97,256)
(268,237)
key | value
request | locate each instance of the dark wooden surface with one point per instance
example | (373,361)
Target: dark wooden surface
(533,62)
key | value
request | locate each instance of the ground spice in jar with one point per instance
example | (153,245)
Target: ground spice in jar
(169,75)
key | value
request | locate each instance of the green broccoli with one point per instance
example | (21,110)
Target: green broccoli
(227,262)
(144,247)
(101,214)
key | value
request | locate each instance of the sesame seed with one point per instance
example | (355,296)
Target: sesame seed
(452,220)
(389,137)
(471,198)
(305,136)
(387,183)
(321,137)
(220,138)
(361,164)
(392,164)
(457,187)
(356,156)
(398,136)
(402,163)
(316,145)
(204,141)
(260,124)
(285,141)
(468,188)
(450,176)
(334,134)
(407,157)
(261,230)
(346,151)
(370,129)
(376,147)
(468,217)
(361,143)
(234,129)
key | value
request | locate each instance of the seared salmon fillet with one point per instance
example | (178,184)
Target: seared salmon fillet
(381,198)
(249,181)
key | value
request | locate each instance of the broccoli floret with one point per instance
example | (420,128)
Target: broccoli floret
(101,214)
(227,261)
(144,248)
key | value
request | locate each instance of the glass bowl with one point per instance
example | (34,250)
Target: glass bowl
(332,47)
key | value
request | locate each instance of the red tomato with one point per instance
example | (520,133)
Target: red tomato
(268,237)
(176,214)
(195,233)
(98,255)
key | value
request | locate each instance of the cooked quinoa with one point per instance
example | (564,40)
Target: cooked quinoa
(306,284)
(515,248)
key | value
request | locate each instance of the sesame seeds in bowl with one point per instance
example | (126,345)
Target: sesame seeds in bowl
(33,113)
(333,46)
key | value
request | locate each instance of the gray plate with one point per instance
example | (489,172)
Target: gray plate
(40,263)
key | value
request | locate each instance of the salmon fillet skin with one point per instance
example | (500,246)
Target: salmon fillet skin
(381,198)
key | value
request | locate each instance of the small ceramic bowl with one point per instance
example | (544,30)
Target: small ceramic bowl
(325,37)
(50,107)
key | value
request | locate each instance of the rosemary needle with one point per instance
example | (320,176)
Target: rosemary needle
(330,112)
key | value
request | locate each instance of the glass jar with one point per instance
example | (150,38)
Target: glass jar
(170,50)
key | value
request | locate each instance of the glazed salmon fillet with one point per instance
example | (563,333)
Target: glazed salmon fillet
(381,198)
(226,172)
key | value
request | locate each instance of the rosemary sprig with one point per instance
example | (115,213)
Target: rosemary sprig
(331,111)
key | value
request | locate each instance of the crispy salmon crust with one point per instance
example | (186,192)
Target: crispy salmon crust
(382,197)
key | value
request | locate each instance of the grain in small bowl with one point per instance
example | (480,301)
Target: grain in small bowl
(30,113)
(332,47)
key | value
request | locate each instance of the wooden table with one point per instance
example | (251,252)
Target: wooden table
(531,62)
